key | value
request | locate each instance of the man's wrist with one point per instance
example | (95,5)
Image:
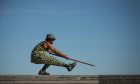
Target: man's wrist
(66,57)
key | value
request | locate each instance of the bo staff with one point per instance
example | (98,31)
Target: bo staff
(76,60)
(82,62)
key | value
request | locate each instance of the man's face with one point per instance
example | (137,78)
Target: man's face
(51,41)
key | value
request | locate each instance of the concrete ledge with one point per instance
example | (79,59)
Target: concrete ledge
(119,79)
(70,79)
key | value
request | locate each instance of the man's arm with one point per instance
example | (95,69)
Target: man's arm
(57,52)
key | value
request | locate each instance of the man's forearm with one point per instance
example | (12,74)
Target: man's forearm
(58,53)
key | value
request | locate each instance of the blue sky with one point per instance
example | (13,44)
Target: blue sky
(102,32)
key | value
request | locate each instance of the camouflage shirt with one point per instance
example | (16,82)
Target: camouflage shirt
(39,48)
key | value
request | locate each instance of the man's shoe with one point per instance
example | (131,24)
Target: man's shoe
(43,72)
(71,66)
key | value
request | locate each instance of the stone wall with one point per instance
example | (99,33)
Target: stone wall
(119,79)
(70,79)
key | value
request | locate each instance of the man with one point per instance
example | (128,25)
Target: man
(40,55)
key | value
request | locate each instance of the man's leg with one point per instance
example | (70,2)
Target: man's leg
(56,62)
(43,70)
(50,60)
(45,67)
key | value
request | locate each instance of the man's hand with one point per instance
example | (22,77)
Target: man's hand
(66,57)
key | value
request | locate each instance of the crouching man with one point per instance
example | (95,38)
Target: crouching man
(41,54)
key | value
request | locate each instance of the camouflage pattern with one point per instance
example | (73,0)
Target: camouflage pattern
(39,55)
